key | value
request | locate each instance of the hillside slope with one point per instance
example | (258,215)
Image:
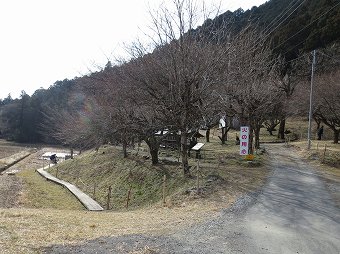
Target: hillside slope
(291,25)
(223,176)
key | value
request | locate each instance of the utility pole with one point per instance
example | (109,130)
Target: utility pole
(311,101)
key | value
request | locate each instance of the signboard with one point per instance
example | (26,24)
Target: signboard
(244,140)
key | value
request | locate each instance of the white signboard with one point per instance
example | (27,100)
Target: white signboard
(244,140)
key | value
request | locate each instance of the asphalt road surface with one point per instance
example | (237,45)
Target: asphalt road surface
(294,213)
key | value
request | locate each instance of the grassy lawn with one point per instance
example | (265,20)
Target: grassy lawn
(28,230)
(49,214)
(220,169)
(40,193)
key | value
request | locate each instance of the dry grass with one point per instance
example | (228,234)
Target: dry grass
(40,193)
(298,128)
(12,159)
(8,149)
(223,177)
(324,152)
(28,230)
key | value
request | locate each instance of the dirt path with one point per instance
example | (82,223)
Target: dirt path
(11,185)
(293,214)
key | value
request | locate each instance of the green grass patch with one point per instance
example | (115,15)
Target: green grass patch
(40,193)
(94,172)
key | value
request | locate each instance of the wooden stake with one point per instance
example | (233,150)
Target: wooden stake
(198,176)
(94,191)
(164,188)
(128,198)
(179,153)
(108,198)
(324,153)
(56,173)
(317,147)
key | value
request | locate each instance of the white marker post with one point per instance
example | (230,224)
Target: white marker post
(244,140)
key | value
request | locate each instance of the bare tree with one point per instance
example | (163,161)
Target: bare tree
(249,88)
(176,76)
(289,76)
(111,96)
(76,129)
(327,102)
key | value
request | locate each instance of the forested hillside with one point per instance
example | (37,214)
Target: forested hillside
(291,26)
(22,119)
(173,87)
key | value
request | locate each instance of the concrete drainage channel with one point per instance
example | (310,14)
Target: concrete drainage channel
(8,162)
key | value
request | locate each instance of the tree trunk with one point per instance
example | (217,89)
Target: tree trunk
(125,149)
(184,153)
(154,156)
(224,135)
(250,147)
(336,136)
(281,134)
(207,135)
(153,144)
(257,137)
(317,121)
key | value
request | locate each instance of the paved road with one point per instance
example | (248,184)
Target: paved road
(293,214)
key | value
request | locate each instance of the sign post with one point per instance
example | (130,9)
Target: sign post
(244,140)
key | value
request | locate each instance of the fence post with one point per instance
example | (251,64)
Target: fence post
(128,197)
(108,198)
(198,176)
(324,153)
(164,189)
(94,190)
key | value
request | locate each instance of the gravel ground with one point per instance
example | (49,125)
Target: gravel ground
(10,187)
(199,239)
(294,213)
